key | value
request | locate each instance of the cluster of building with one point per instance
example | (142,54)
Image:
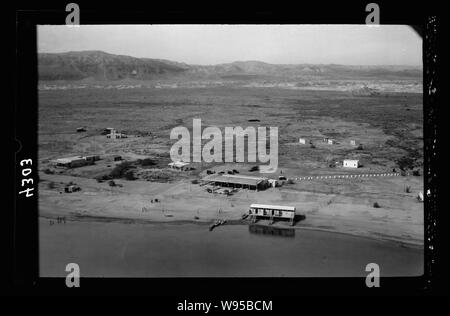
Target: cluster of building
(109,132)
(114,134)
(347,163)
(327,140)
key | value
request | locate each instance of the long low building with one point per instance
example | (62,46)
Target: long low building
(239,181)
(70,162)
(75,161)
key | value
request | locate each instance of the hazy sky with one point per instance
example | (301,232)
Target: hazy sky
(213,44)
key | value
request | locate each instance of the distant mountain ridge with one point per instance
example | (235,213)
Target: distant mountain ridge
(99,65)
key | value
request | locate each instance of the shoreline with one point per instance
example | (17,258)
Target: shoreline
(113,249)
(402,242)
(400,221)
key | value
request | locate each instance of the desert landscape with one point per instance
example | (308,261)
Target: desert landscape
(371,114)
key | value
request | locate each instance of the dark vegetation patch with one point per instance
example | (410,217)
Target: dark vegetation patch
(146,162)
(158,176)
(48,171)
(124,170)
(383,112)
(138,133)
(158,110)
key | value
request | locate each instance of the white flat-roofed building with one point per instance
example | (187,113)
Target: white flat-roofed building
(116,135)
(272,211)
(91,158)
(351,163)
(302,141)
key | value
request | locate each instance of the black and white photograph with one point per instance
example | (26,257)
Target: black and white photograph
(232,159)
(230,150)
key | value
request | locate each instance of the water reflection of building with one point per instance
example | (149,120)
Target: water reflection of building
(271,231)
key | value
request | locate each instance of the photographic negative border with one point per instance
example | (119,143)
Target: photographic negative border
(25,215)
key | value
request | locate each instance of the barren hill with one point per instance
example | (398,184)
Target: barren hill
(99,65)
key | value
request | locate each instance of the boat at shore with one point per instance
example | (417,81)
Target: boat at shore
(217,222)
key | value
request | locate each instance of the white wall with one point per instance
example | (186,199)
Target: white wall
(350,164)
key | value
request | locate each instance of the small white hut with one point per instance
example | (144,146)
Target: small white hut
(350,163)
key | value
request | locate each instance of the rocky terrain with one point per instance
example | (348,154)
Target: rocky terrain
(98,65)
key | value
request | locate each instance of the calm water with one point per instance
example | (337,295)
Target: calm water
(171,250)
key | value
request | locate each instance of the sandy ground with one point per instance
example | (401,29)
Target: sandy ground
(344,206)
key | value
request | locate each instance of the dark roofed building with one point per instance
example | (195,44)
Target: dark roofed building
(238,181)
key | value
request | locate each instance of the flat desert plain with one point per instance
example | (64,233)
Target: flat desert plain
(388,126)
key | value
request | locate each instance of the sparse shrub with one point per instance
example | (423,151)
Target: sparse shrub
(405,163)
(408,189)
(147,162)
(129,175)
(312,146)
(360,147)
(391,143)
(290,181)
(416,173)
(51,185)
(254,168)
(112,183)
(48,171)
(121,170)
(376,205)
(103,177)
(195,181)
